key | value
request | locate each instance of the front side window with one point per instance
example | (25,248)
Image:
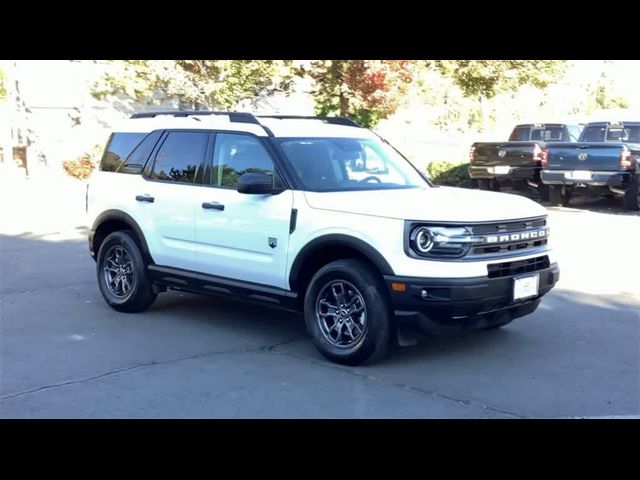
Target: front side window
(332,164)
(180,157)
(235,154)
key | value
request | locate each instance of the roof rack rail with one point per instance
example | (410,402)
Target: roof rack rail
(332,120)
(237,117)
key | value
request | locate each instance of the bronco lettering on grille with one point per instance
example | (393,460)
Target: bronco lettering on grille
(515,237)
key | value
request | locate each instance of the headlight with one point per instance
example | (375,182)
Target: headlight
(441,241)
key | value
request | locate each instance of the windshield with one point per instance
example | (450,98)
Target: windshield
(333,164)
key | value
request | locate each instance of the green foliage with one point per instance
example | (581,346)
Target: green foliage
(487,78)
(3,90)
(449,174)
(366,91)
(212,84)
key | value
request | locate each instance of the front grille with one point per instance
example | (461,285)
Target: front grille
(512,233)
(504,227)
(508,247)
(518,267)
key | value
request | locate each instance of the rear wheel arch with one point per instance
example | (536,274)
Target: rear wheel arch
(112,221)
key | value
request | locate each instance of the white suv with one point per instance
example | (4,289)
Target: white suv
(312,214)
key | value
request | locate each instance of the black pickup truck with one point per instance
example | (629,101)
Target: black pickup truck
(518,161)
(604,161)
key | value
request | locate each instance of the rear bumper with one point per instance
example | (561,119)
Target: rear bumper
(598,179)
(515,173)
(465,301)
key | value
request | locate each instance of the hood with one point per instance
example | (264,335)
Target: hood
(430,204)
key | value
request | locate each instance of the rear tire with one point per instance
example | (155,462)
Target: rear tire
(488,184)
(557,197)
(631,199)
(348,312)
(122,273)
(543,191)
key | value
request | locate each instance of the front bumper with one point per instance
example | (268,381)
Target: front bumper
(515,173)
(464,301)
(598,179)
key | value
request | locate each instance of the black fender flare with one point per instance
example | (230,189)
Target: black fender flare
(120,216)
(337,239)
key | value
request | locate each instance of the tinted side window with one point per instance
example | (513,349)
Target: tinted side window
(180,157)
(136,160)
(119,147)
(520,134)
(235,154)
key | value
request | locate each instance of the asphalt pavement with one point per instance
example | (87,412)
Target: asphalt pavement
(65,354)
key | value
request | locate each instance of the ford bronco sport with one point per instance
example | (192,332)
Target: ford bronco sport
(312,214)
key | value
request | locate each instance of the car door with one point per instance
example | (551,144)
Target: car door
(241,236)
(169,195)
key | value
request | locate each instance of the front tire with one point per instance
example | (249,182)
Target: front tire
(348,312)
(122,274)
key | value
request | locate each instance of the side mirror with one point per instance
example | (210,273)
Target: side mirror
(256,183)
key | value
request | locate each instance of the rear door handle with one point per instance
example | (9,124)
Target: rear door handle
(212,206)
(145,198)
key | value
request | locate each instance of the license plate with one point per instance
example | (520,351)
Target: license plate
(525,287)
(500,170)
(578,175)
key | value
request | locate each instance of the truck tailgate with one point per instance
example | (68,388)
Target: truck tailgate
(504,153)
(584,156)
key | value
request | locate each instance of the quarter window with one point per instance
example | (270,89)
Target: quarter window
(119,147)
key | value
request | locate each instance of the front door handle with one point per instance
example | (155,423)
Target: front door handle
(212,206)
(145,198)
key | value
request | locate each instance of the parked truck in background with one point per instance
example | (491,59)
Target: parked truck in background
(517,162)
(604,161)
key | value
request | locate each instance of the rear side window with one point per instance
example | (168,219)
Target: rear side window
(520,134)
(119,147)
(180,157)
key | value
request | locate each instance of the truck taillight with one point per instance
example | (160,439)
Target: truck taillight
(472,154)
(625,158)
(544,157)
(540,155)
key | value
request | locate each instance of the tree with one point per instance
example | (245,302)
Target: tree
(3,91)
(212,84)
(484,79)
(487,78)
(363,90)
